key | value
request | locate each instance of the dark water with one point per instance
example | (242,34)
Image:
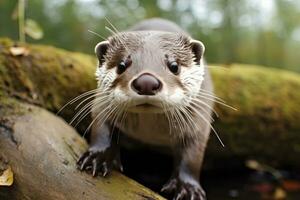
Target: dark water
(227,182)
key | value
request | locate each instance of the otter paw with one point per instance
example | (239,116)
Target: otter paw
(183,191)
(99,162)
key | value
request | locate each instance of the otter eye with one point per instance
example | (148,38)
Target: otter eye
(174,68)
(121,67)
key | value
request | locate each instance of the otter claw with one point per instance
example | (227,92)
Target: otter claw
(105,169)
(169,187)
(182,190)
(98,162)
(95,168)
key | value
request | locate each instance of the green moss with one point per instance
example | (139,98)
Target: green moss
(6,42)
(266,124)
(47,76)
(9,107)
(258,87)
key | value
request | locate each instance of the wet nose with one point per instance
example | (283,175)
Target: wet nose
(146,84)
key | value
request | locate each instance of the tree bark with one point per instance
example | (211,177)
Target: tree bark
(41,149)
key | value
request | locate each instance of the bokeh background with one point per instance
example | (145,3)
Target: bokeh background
(241,31)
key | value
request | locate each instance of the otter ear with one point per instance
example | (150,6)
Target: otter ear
(198,49)
(100,51)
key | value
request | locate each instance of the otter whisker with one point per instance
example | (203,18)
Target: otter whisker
(110,30)
(111,114)
(186,126)
(93,121)
(212,128)
(102,105)
(163,104)
(189,126)
(206,96)
(123,116)
(206,91)
(216,101)
(88,109)
(107,112)
(203,109)
(213,96)
(167,116)
(85,94)
(205,104)
(83,112)
(174,119)
(119,38)
(116,30)
(115,117)
(192,125)
(180,122)
(88,98)
(193,111)
(77,98)
(83,109)
(97,34)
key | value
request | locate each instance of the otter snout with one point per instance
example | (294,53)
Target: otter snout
(146,84)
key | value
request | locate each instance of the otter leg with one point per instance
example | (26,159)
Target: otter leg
(184,182)
(103,154)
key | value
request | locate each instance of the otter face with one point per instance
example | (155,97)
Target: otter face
(149,71)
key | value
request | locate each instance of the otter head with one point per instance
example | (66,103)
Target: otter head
(149,71)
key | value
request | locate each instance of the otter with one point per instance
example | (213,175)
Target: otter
(154,87)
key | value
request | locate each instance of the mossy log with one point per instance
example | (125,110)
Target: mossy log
(265,127)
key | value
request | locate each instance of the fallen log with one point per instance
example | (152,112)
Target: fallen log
(265,127)
(266,124)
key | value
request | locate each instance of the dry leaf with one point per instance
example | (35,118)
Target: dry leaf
(19,51)
(279,194)
(291,185)
(7,177)
(253,164)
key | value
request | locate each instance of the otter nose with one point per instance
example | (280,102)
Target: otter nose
(146,84)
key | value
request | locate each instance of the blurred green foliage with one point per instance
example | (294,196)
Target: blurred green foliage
(246,31)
